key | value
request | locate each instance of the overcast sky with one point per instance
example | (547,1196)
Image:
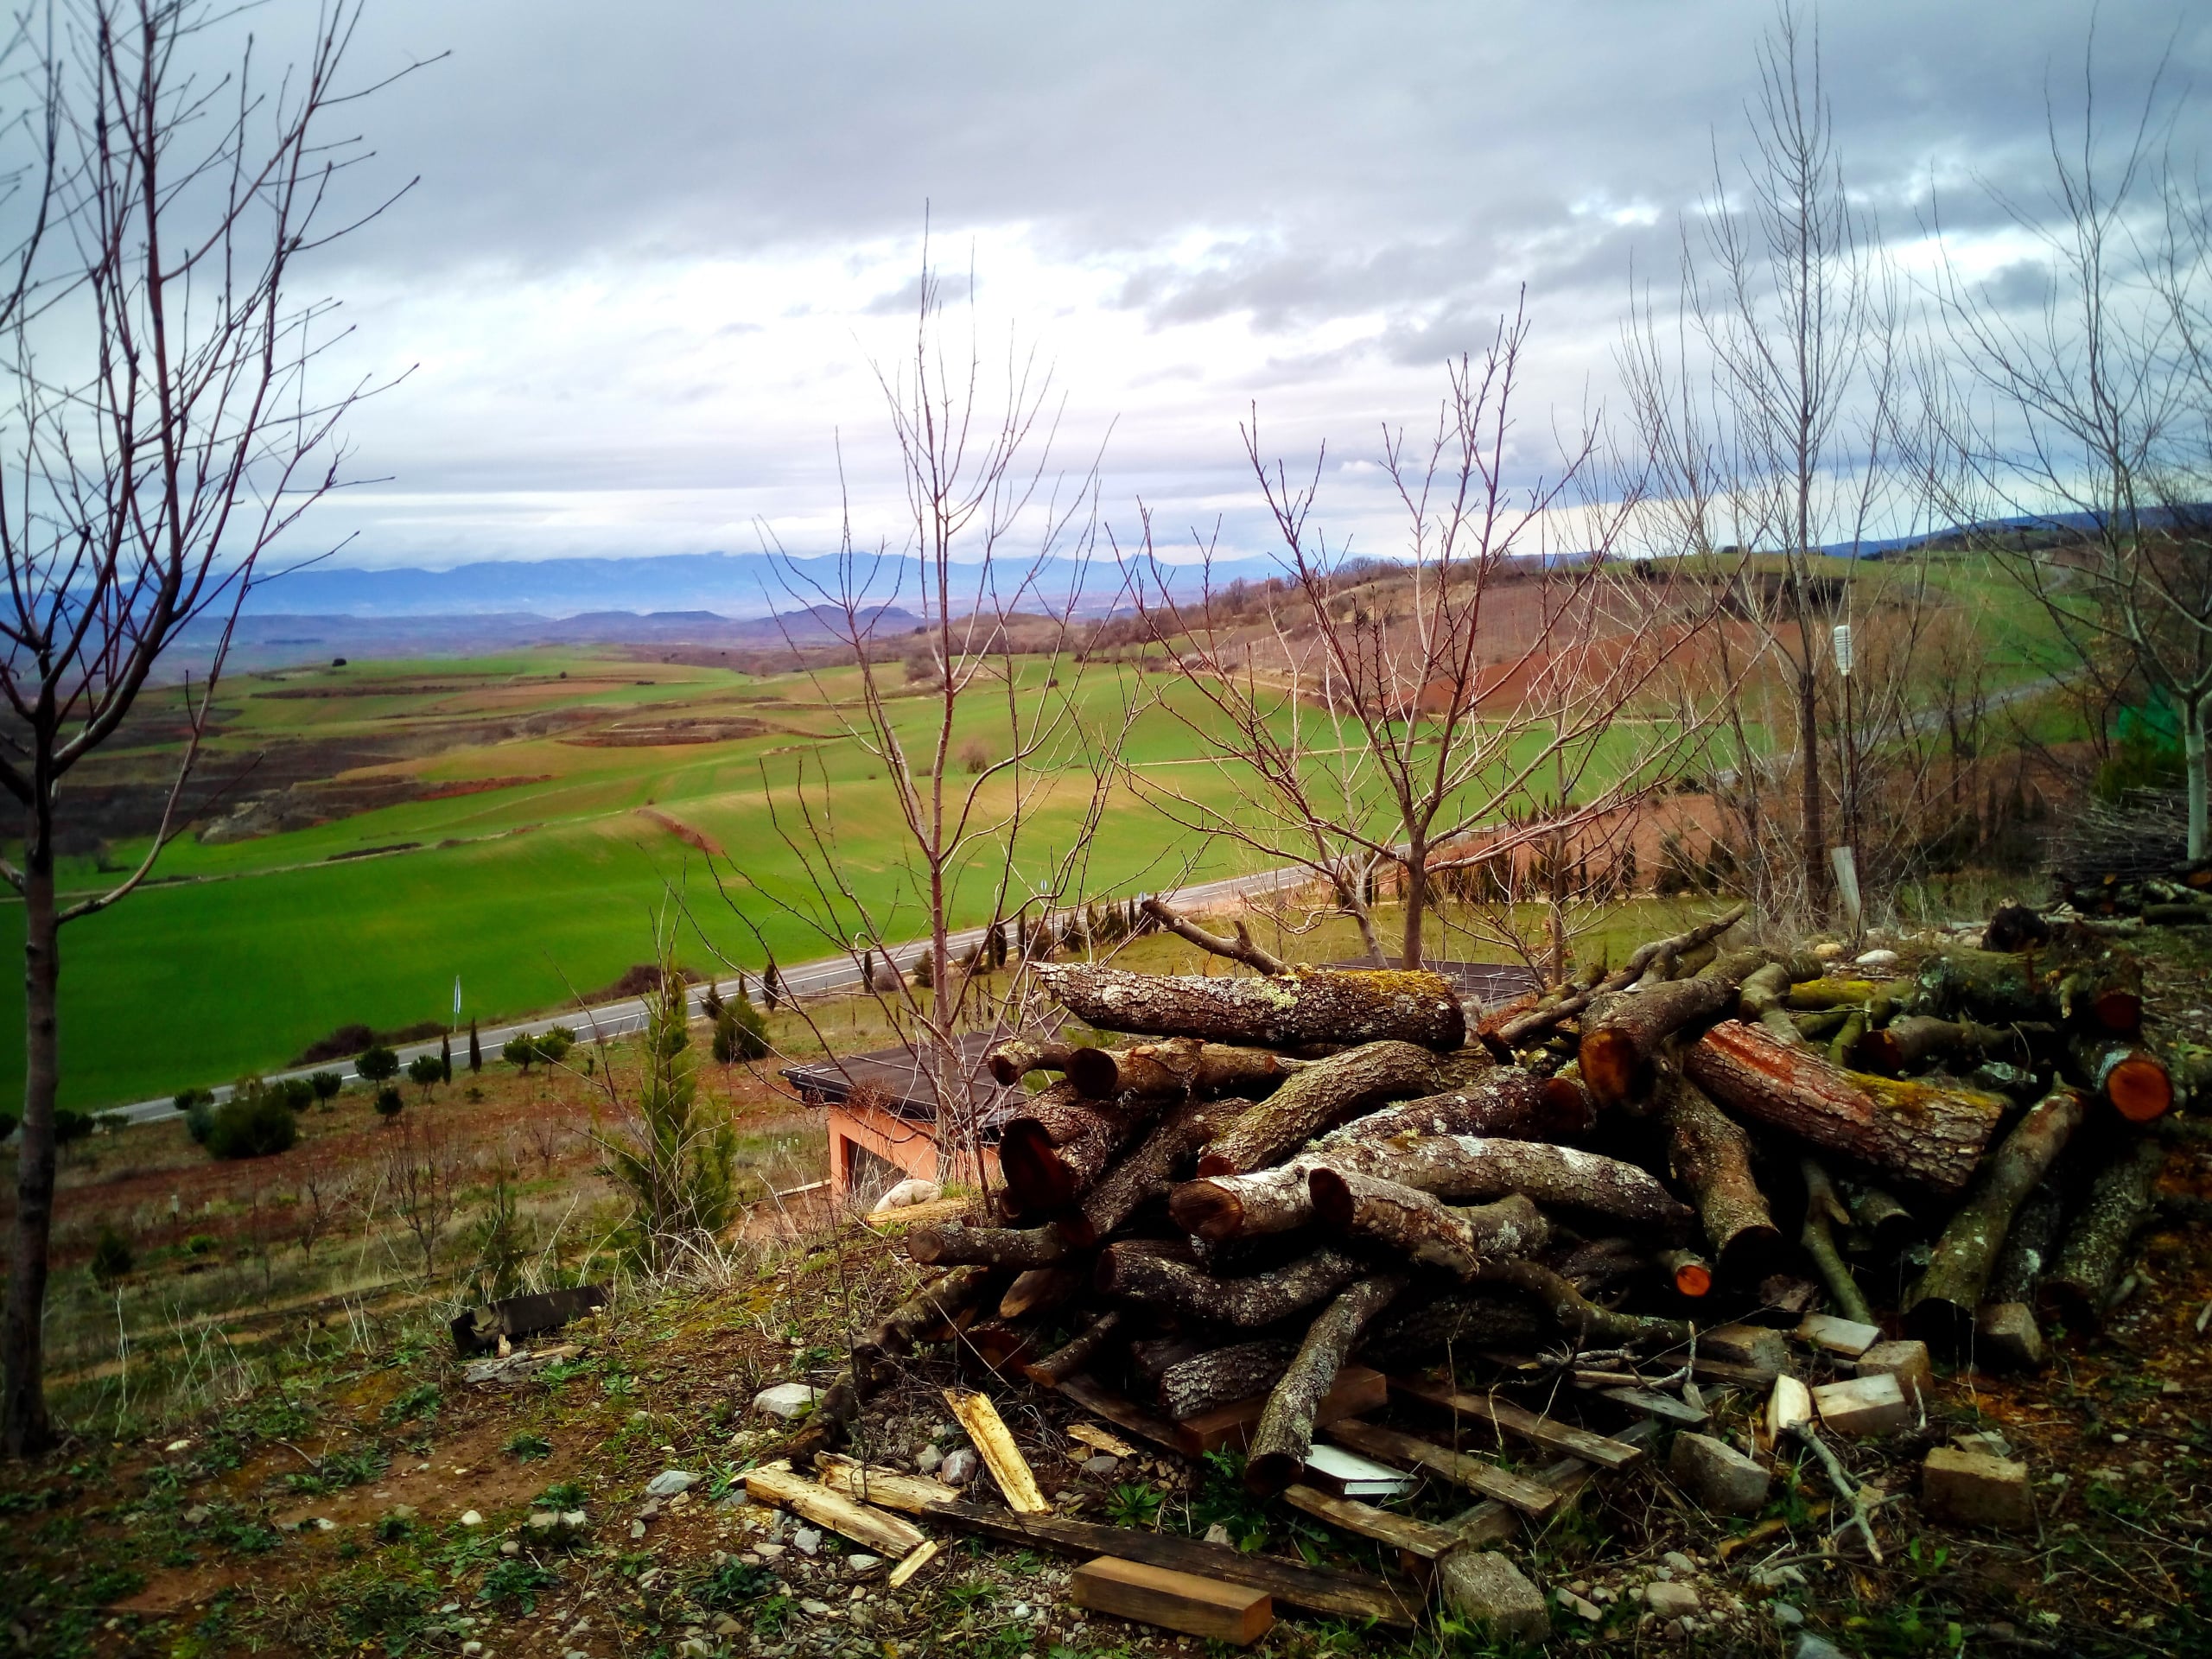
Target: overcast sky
(655,247)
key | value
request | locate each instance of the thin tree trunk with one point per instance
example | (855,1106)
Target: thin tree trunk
(24,1428)
(1410,948)
(2193,745)
(1808,738)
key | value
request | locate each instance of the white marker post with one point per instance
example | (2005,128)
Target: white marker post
(1845,858)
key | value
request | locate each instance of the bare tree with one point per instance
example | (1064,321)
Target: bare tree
(160,437)
(2103,394)
(1378,721)
(997,755)
(422,1176)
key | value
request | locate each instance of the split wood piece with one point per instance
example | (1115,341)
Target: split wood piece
(1918,1041)
(914,1560)
(1277,1455)
(1041,1290)
(1147,1170)
(1178,1067)
(1223,1376)
(1477,1474)
(1622,1035)
(987,1432)
(1422,1538)
(1234,1613)
(1319,1098)
(2079,1283)
(1455,1322)
(1576,1313)
(935,1304)
(868,1482)
(1816,995)
(1307,1004)
(1126,1272)
(1493,1523)
(1824,1209)
(1053,1148)
(1321,1590)
(1733,1373)
(1505,1418)
(1480,1166)
(1422,1228)
(1940,1310)
(1690,1274)
(1932,1134)
(1728,1548)
(1651,1403)
(1242,949)
(2132,1080)
(1711,1155)
(871,1528)
(1358,1390)
(1077,1353)
(1016,1058)
(1508,1103)
(1523,1027)
(1098,1440)
(999,1345)
(1096,1397)
(955,1242)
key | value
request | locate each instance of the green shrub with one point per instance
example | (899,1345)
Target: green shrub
(8,1123)
(254,1122)
(389,1102)
(426,1071)
(70,1126)
(299,1093)
(741,1032)
(377,1064)
(112,1259)
(326,1085)
(199,1119)
(188,1098)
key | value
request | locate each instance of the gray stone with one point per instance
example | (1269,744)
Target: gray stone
(1489,1592)
(787,1400)
(1718,1476)
(959,1466)
(1219,1534)
(1786,1616)
(927,1459)
(669,1482)
(1101,1465)
(1814,1647)
(1580,1608)
(863,1563)
(1680,1562)
(809,1605)
(1670,1601)
(806,1541)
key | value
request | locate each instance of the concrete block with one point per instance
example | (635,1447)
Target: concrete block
(1746,1345)
(2006,1338)
(1863,1405)
(1972,1489)
(1791,1403)
(1906,1361)
(1718,1475)
(1489,1592)
(1847,1338)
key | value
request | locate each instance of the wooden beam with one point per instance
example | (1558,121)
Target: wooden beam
(1094,1396)
(1477,1474)
(1421,1538)
(1356,1390)
(1507,1418)
(1493,1523)
(1237,1614)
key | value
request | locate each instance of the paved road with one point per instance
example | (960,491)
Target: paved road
(611,1020)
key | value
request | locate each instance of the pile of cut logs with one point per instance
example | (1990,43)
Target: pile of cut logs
(1280,1186)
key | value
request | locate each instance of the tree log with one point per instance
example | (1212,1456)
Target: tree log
(1051,1149)
(1223,1376)
(1543,1018)
(1422,1229)
(1923,1132)
(1308,1005)
(1134,1275)
(1277,1453)
(1016,1058)
(1148,1169)
(1823,1209)
(1920,1040)
(1819,993)
(1762,990)
(1464,1166)
(1623,1035)
(1077,1353)
(955,1242)
(1242,949)
(2029,1245)
(1317,1098)
(1690,1273)
(2079,1284)
(1940,1309)
(1999,989)
(1711,1155)
(2133,1081)
(1180,1066)
(1593,1265)
(1576,1313)
(935,1303)
(1042,1290)
(1457,1321)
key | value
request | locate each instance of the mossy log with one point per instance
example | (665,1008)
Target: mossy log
(1277,1453)
(1932,1134)
(1177,1068)
(1148,1169)
(1308,1005)
(1711,1157)
(2079,1284)
(1917,1041)
(1999,989)
(1132,1274)
(1622,1034)
(1940,1308)
(1422,1228)
(1319,1098)
(1053,1148)
(1819,994)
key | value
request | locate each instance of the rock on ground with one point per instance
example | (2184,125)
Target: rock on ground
(1485,1588)
(787,1400)
(1718,1475)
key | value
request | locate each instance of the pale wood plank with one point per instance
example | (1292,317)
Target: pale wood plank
(1477,1474)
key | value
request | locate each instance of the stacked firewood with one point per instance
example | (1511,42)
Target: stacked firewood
(1275,1178)
(2129,858)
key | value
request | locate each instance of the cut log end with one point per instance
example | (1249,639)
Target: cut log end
(1332,1201)
(1093,1070)
(1206,1209)
(1611,1066)
(1033,1167)
(2118,1011)
(1691,1273)
(1879,1053)
(2139,1088)
(1266,1473)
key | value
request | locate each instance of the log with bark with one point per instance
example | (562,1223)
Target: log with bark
(1533,1023)
(1317,1098)
(1998,989)
(1940,1309)
(1573,1311)
(1079,1351)
(1016,1058)
(2078,1285)
(1308,1005)
(1689,1273)
(1917,1041)
(1221,1376)
(1243,947)
(1132,1274)
(1471,1166)
(1622,1035)
(1930,1134)
(1277,1453)
(2130,1079)
(1824,1209)
(1711,1156)
(1421,1227)
(935,1303)
(1464,1321)
(953,1242)
(1053,1148)
(1177,1068)
(1039,1291)
(2031,1242)
(1148,1169)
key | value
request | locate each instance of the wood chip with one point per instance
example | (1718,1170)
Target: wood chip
(994,1442)
(1091,1435)
(915,1559)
